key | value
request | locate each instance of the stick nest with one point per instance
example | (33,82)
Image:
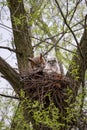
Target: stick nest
(38,85)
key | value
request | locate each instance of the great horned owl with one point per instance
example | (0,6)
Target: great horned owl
(52,65)
(37,62)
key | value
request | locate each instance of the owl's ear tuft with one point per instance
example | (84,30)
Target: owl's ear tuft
(31,60)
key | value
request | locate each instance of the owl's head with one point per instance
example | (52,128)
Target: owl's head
(52,61)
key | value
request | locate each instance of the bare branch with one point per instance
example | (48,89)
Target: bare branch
(10,75)
(8,96)
(66,49)
(52,38)
(70,29)
(13,50)
(74,10)
(54,45)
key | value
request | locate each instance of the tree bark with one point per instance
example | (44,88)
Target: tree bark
(80,63)
(21,31)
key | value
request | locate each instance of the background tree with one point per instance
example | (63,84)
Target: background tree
(51,28)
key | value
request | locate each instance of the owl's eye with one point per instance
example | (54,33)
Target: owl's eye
(53,60)
(49,61)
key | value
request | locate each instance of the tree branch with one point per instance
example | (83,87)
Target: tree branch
(10,75)
(79,49)
(54,45)
(13,50)
(8,96)
(74,10)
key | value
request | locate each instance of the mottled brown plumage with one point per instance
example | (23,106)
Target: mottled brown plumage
(37,62)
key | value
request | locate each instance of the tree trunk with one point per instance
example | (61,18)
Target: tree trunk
(21,32)
(24,49)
